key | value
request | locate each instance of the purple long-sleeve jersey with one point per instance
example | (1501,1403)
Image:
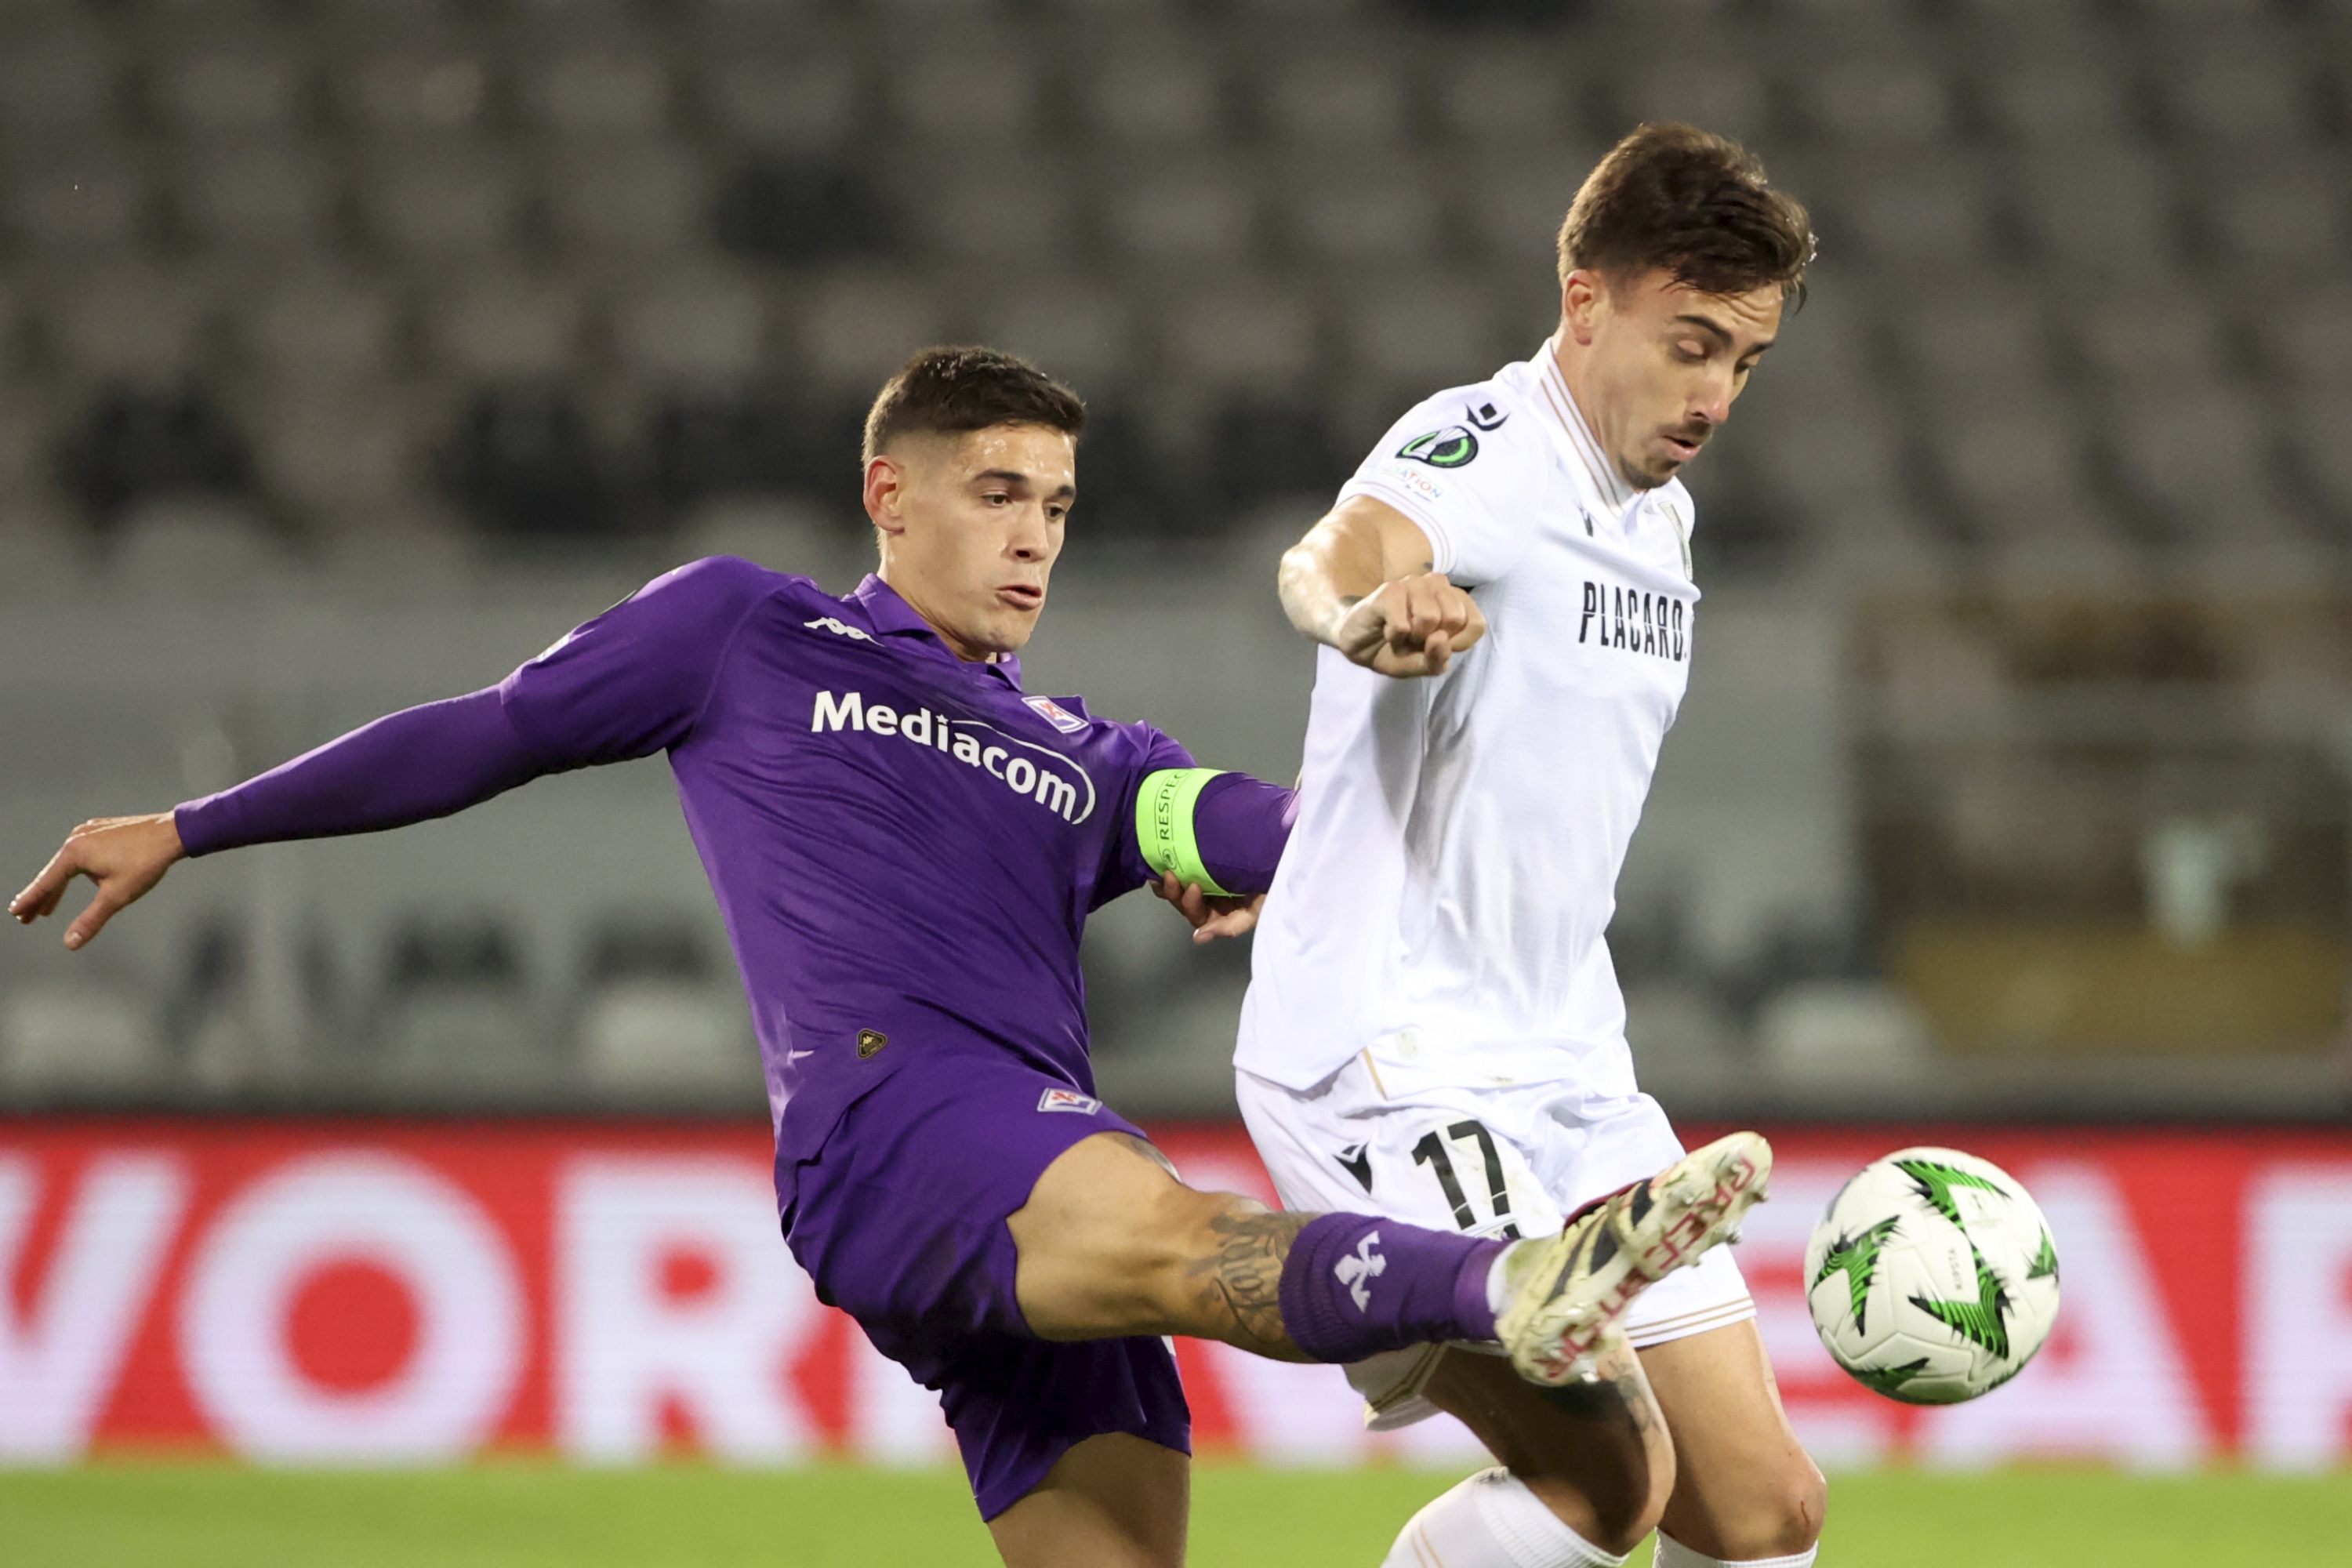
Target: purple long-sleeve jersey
(904,846)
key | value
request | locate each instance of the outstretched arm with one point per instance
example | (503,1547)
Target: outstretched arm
(1360,581)
(627,684)
(423,762)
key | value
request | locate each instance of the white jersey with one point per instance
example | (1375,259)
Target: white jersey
(1444,896)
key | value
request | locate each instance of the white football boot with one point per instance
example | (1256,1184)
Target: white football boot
(1570,1290)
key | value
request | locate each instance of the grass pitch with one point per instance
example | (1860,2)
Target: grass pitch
(126,1515)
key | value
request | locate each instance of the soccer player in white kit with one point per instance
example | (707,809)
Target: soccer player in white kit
(1433,1028)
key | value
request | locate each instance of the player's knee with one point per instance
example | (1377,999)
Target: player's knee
(1784,1519)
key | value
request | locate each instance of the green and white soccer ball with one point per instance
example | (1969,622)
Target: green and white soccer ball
(1932,1277)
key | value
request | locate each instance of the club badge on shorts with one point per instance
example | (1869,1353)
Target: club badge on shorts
(1068,1100)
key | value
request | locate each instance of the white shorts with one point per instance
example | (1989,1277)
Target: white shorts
(1499,1161)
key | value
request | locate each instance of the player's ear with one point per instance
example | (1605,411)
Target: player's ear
(1580,304)
(885,493)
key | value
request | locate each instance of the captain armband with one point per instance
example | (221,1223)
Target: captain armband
(1163,826)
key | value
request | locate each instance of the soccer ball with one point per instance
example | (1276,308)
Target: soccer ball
(1932,1277)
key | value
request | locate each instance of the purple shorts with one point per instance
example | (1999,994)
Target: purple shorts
(899,1219)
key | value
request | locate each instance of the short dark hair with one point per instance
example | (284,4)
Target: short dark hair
(951,391)
(1697,204)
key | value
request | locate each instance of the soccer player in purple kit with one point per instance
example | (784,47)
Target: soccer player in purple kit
(905,846)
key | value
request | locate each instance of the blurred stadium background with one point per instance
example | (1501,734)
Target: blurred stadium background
(351,350)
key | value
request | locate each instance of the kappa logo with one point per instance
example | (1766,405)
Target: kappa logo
(1451,448)
(1054,714)
(1068,1100)
(1360,1266)
(826,623)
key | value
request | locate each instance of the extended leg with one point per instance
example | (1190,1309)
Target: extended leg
(1111,1244)
(1112,1501)
(1745,1490)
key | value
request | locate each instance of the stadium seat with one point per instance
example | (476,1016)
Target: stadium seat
(1876,104)
(977,91)
(658,1020)
(699,329)
(2102,210)
(1835,1034)
(1078,330)
(1017,215)
(2052,92)
(1354,212)
(524,463)
(412,92)
(1422,330)
(260,199)
(1258,339)
(1509,100)
(60,1037)
(317,327)
(1180,215)
(339,460)
(242,88)
(130,324)
(1513,204)
(2016,469)
(1319,99)
(2311,346)
(646,200)
(2201,458)
(2165,336)
(598,94)
(61,80)
(1913,213)
(2274,214)
(1160,94)
(1984,346)
(456,1021)
(1724,92)
(811,102)
(801,212)
(185,546)
(434,206)
(853,331)
(2240,90)
(1684,1040)
(83,199)
(506,326)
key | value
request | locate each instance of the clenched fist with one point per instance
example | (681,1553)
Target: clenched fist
(1409,627)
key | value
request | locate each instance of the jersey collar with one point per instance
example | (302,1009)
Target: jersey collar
(1566,422)
(893,617)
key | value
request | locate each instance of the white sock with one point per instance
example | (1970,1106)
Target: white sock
(1492,1520)
(1673,1554)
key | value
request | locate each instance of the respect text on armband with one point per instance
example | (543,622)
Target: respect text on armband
(1037,772)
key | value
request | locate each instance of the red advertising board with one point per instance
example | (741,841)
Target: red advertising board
(386,1292)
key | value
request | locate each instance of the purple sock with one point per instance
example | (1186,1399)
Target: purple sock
(1354,1286)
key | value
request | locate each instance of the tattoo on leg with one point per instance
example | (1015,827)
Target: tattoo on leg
(1620,1396)
(1241,1294)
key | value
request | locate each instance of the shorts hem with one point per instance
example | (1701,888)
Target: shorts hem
(1001,1494)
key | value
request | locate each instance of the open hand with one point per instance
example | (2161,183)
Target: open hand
(1410,625)
(125,855)
(1210,917)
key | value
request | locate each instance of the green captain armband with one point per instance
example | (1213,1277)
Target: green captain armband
(1163,826)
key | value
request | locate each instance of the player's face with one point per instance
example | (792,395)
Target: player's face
(971,526)
(1663,364)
